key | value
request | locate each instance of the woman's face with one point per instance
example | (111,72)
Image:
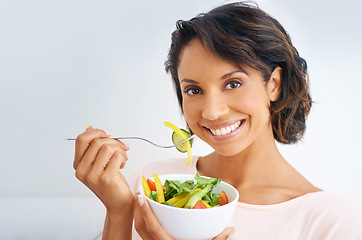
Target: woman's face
(224,106)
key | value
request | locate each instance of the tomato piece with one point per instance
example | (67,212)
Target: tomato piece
(223,198)
(199,205)
(151,184)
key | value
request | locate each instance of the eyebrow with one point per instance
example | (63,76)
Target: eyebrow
(231,73)
(221,78)
(189,81)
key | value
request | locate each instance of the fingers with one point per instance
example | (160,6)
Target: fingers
(225,234)
(117,161)
(139,222)
(110,156)
(151,226)
(102,155)
(95,153)
(84,140)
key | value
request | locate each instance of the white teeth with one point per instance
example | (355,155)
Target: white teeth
(226,130)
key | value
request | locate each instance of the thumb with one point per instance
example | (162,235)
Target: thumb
(225,234)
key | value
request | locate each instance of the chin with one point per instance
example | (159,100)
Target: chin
(228,151)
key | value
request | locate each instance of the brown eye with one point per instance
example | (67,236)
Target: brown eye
(192,91)
(233,84)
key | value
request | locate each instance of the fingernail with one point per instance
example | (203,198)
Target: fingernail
(88,127)
(108,133)
(140,200)
(126,145)
(136,196)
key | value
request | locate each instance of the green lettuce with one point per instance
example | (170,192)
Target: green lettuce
(175,187)
(153,196)
(202,182)
(213,198)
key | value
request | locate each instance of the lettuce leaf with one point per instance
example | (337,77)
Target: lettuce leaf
(213,198)
(153,196)
(175,187)
(203,182)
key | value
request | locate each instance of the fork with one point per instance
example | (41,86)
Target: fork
(144,139)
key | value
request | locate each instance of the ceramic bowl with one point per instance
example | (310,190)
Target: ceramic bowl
(192,224)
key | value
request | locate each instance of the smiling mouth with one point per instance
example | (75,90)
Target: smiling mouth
(226,130)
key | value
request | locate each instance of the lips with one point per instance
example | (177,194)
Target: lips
(226,129)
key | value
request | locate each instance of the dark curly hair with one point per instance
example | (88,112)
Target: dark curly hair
(245,35)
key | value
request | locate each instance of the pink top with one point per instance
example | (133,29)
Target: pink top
(313,216)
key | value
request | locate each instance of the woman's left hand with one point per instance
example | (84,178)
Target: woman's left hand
(149,228)
(146,223)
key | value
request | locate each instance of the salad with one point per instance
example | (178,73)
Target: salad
(188,194)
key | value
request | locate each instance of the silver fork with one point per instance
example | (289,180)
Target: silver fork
(143,139)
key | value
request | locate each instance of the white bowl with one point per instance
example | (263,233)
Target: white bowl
(192,224)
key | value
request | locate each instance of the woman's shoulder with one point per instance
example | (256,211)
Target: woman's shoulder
(331,200)
(315,215)
(328,204)
(312,216)
(325,205)
(339,214)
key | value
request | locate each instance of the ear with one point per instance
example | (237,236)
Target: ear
(275,84)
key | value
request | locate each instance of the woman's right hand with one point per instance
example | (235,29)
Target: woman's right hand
(97,161)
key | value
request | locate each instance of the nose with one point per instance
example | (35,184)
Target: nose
(214,107)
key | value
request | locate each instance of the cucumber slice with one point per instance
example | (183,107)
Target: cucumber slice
(177,139)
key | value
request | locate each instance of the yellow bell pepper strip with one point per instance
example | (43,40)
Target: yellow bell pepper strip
(182,202)
(145,186)
(177,198)
(206,203)
(159,189)
(183,136)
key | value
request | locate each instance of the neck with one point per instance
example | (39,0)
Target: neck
(258,164)
(249,165)
(259,172)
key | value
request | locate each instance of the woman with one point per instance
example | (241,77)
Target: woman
(242,86)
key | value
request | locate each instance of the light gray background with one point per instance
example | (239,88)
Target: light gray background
(66,64)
